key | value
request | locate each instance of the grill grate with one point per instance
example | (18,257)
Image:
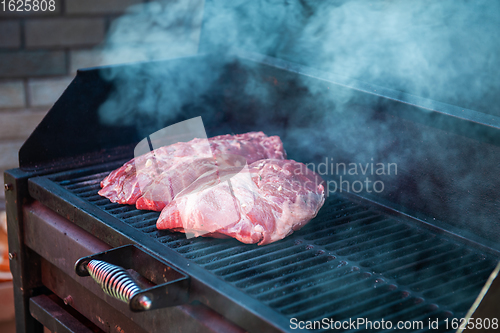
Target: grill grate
(351,261)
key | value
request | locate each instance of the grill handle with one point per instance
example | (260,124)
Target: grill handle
(116,281)
(109,270)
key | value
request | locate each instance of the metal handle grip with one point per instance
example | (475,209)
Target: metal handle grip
(116,281)
(169,286)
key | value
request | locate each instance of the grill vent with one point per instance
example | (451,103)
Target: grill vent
(349,262)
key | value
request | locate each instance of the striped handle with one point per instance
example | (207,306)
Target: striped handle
(114,280)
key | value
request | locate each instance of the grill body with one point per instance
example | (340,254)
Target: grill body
(361,257)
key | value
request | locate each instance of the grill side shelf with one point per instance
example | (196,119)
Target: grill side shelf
(350,261)
(207,288)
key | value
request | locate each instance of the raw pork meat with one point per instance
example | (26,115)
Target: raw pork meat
(281,197)
(152,180)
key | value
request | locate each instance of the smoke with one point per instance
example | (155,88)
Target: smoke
(442,50)
(154,31)
(148,96)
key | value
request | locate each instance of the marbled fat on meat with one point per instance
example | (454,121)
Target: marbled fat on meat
(152,180)
(283,196)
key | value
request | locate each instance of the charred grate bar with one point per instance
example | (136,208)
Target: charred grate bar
(351,261)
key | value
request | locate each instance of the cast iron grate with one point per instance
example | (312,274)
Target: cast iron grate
(351,261)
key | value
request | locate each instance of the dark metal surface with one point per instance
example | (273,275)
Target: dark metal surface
(172,286)
(25,265)
(54,317)
(350,261)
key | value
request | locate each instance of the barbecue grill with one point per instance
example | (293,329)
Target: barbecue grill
(404,254)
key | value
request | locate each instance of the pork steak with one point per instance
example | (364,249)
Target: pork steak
(281,197)
(152,180)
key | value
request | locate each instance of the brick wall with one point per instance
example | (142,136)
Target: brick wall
(40,53)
